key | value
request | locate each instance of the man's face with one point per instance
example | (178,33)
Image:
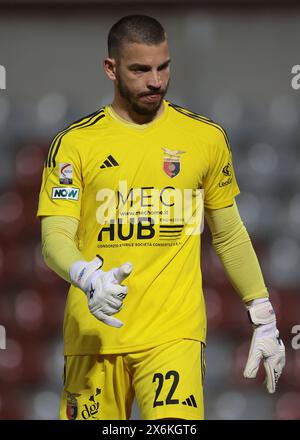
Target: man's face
(142,76)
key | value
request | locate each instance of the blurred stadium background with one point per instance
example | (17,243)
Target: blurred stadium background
(231,61)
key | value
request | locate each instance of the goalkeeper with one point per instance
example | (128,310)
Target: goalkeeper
(135,310)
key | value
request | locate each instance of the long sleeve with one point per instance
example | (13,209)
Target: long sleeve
(233,246)
(59,246)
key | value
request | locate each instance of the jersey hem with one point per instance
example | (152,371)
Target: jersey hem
(128,348)
(57,212)
(222,204)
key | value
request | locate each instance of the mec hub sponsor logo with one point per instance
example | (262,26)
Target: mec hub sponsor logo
(65,193)
(143,212)
(143,229)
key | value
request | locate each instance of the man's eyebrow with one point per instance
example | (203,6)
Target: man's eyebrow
(139,66)
(136,66)
(166,63)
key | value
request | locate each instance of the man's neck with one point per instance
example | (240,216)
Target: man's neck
(130,115)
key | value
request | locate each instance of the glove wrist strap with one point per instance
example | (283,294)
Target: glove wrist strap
(262,313)
(81,272)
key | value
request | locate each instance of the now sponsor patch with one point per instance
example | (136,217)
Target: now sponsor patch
(61,192)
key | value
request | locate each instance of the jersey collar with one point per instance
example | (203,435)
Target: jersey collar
(140,127)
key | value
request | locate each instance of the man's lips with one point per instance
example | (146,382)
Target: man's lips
(152,97)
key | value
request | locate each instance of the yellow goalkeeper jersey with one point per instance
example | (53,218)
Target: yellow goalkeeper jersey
(139,192)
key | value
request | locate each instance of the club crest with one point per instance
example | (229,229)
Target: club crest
(171,161)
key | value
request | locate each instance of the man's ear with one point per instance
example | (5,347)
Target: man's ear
(109,65)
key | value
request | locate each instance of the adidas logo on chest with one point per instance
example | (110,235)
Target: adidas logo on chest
(109,162)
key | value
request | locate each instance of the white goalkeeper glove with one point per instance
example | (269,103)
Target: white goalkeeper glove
(266,344)
(104,291)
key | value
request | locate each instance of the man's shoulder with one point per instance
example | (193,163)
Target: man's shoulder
(197,121)
(74,137)
(82,125)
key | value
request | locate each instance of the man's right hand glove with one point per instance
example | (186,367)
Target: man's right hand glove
(104,291)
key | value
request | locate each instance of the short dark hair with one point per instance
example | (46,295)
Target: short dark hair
(134,29)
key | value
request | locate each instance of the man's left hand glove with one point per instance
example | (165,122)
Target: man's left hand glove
(266,344)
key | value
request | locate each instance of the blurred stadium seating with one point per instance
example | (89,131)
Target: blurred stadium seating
(264,132)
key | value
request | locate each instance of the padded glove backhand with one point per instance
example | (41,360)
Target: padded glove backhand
(266,344)
(104,291)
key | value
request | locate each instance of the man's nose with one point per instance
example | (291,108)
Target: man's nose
(154,80)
